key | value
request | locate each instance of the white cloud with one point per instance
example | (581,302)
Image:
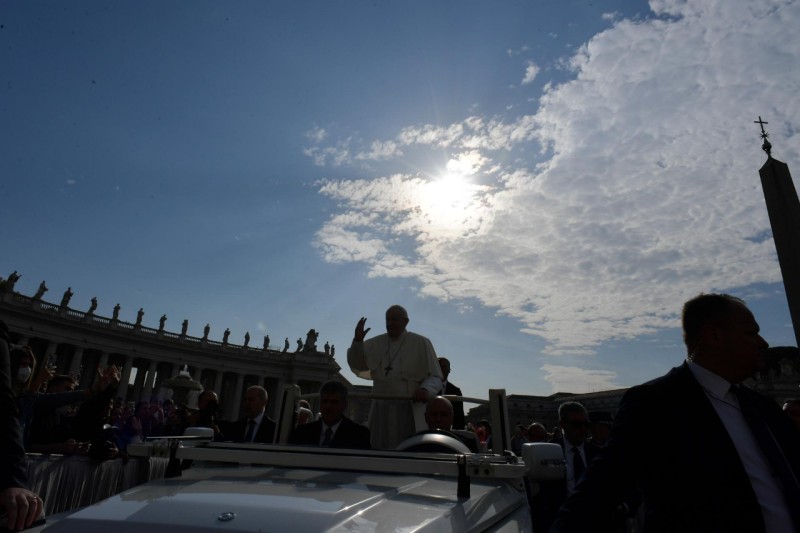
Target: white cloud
(317,134)
(530,73)
(579,380)
(380,150)
(649,193)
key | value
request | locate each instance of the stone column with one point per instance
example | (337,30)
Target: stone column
(138,384)
(237,398)
(102,362)
(218,382)
(75,363)
(122,388)
(275,395)
(150,381)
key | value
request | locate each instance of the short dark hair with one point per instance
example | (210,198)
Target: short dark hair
(570,407)
(702,310)
(333,387)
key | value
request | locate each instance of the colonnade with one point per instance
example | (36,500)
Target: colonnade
(77,343)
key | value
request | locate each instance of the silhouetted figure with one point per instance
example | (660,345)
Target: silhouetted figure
(206,331)
(299,345)
(184,327)
(66,298)
(286,345)
(161,322)
(40,291)
(266,342)
(115,316)
(139,317)
(225,336)
(327,348)
(12,280)
(246,339)
(93,307)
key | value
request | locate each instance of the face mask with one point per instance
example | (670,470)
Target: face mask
(23,374)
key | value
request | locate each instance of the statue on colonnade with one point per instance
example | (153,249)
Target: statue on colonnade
(66,298)
(40,291)
(311,341)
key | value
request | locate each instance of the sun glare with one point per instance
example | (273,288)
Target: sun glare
(446,200)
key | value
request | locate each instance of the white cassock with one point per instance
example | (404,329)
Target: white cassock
(396,366)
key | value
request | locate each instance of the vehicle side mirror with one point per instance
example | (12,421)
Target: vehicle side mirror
(545,461)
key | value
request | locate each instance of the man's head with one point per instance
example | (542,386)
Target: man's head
(332,402)
(439,413)
(792,409)
(208,400)
(444,364)
(537,433)
(396,321)
(255,401)
(722,336)
(573,419)
(60,383)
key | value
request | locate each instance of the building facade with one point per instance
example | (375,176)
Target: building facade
(76,342)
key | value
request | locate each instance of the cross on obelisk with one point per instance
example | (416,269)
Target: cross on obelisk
(783,208)
(767,147)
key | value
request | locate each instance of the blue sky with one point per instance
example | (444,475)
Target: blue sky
(541,184)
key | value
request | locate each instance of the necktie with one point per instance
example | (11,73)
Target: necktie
(251,428)
(577,464)
(328,437)
(773,453)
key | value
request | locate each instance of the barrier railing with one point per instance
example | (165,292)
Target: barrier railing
(68,482)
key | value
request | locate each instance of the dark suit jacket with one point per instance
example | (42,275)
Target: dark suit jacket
(349,435)
(236,431)
(459,420)
(553,493)
(12,465)
(668,441)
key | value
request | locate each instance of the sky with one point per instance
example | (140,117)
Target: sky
(541,184)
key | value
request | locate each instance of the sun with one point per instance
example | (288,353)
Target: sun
(447,199)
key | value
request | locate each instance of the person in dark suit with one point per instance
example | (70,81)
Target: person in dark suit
(733,459)
(459,420)
(333,429)
(573,420)
(19,506)
(256,426)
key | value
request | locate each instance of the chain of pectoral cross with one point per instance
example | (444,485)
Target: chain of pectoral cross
(391,359)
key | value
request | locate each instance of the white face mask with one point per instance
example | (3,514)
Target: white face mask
(23,374)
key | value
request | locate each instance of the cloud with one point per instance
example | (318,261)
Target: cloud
(632,187)
(579,380)
(380,150)
(530,73)
(317,134)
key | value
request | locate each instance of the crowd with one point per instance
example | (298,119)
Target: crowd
(737,473)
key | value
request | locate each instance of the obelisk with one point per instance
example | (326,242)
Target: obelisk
(783,208)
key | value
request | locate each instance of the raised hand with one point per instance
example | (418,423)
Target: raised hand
(360,331)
